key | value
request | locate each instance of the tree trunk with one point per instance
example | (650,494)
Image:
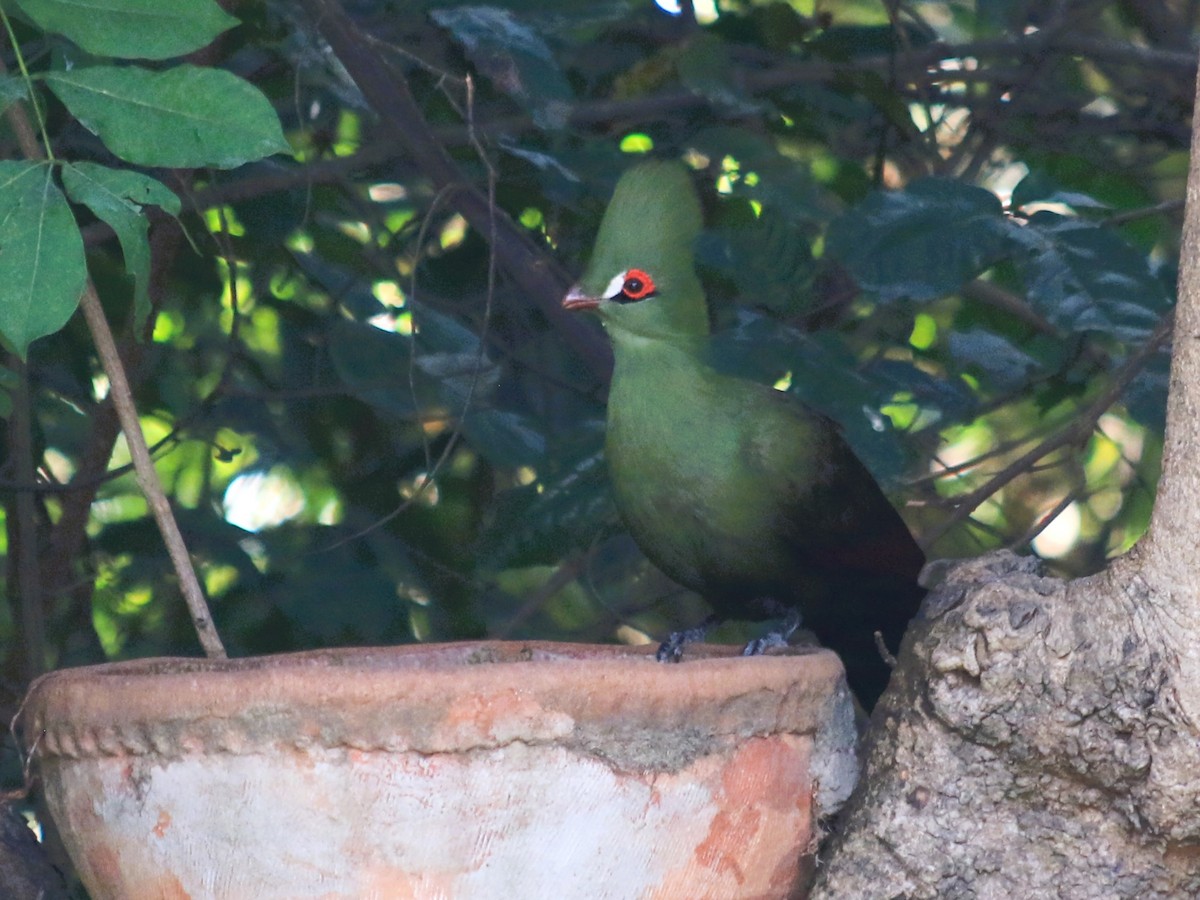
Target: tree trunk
(1040,736)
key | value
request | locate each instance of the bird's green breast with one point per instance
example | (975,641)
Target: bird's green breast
(681,446)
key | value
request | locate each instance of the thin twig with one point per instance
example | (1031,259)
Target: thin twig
(147,475)
(567,571)
(1045,521)
(1144,212)
(884,653)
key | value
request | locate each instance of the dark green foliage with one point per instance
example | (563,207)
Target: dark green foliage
(1084,278)
(923,242)
(413,433)
(569,507)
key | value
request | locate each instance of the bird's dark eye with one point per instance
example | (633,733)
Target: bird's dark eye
(638,285)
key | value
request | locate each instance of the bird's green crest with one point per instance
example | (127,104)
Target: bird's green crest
(650,226)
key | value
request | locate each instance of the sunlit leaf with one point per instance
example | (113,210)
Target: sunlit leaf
(946,398)
(766,175)
(344,286)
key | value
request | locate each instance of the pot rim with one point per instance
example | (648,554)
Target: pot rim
(431,698)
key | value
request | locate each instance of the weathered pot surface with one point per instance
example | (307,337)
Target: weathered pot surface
(468,770)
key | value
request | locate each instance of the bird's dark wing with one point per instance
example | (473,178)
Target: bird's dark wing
(830,506)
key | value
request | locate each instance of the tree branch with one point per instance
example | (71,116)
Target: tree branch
(1168,557)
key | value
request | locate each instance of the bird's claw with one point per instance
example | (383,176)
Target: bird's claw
(774,639)
(671,650)
(767,642)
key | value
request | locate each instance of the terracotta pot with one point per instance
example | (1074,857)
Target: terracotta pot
(472,770)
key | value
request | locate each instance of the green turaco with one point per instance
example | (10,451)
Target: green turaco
(733,489)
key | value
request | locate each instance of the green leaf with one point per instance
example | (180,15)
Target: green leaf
(117,196)
(375,614)
(132,29)
(847,42)
(923,242)
(874,87)
(464,380)
(374,364)
(131,190)
(42,267)
(1000,15)
(508,439)
(1146,396)
(577,19)
(1085,278)
(1039,187)
(1007,366)
(514,58)
(185,117)
(9,383)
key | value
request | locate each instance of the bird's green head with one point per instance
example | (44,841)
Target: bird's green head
(641,277)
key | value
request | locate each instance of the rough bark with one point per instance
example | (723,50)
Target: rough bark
(1040,736)
(1032,742)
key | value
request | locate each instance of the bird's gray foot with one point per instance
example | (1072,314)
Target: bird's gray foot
(777,638)
(671,650)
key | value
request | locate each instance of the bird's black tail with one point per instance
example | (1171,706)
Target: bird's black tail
(848,619)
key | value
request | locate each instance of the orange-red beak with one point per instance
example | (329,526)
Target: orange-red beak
(577,299)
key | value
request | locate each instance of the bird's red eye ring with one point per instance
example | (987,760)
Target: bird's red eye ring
(638,285)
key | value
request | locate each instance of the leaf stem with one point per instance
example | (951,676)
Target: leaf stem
(37,109)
